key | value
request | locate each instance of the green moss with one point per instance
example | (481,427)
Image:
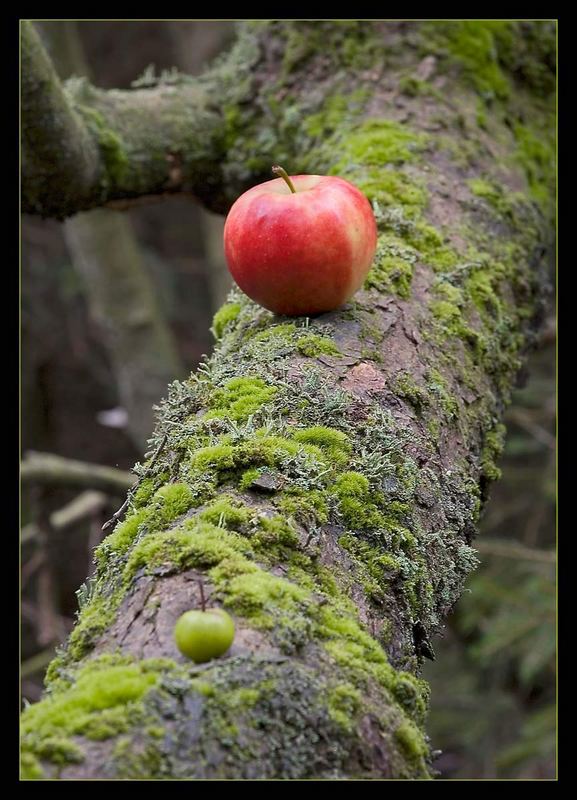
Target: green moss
(391,274)
(249,476)
(280,334)
(440,393)
(306,506)
(451,323)
(276,339)
(482,288)
(381,565)
(95,618)
(412,86)
(351,44)
(412,741)
(505,203)
(166,504)
(494,443)
(376,568)
(227,460)
(240,398)
(223,317)
(104,700)
(143,762)
(380,142)
(334,443)
(475,47)
(370,154)
(405,386)
(431,245)
(123,535)
(483,188)
(227,512)
(355,503)
(170,502)
(142,495)
(218,457)
(314,345)
(114,153)
(30,767)
(194,544)
(481,116)
(111,145)
(413,695)
(336,115)
(530,55)
(536,153)
(344,704)
(359,656)
(385,186)
(256,591)
(274,533)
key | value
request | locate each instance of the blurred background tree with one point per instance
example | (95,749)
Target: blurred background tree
(493,684)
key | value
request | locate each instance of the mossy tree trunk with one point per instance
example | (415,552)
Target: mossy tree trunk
(322,477)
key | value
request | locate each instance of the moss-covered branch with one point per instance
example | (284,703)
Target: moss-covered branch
(325,477)
(84,147)
(60,158)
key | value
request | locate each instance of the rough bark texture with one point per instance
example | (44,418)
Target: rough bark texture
(323,477)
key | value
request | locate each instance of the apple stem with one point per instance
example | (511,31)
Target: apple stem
(282,173)
(202,600)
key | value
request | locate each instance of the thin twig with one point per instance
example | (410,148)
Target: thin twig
(123,507)
(53,470)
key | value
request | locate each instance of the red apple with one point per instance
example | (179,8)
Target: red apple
(300,246)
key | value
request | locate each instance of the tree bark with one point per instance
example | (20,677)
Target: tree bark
(324,477)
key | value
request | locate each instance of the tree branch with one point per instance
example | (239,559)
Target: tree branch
(324,477)
(46,468)
(61,164)
(83,506)
(85,147)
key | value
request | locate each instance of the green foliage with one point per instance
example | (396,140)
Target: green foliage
(517,605)
(493,684)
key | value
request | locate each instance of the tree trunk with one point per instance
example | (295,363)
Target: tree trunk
(323,477)
(120,292)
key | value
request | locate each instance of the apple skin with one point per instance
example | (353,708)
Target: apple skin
(204,635)
(300,253)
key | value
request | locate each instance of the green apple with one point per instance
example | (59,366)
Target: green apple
(204,635)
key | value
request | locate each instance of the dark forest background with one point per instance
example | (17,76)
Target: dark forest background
(493,681)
